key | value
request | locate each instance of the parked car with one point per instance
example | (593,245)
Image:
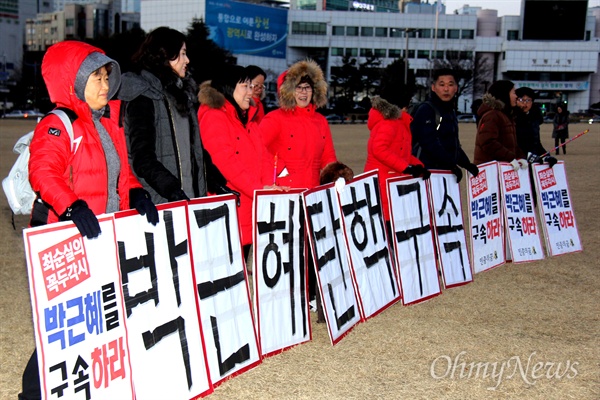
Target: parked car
(594,120)
(18,114)
(335,119)
(466,118)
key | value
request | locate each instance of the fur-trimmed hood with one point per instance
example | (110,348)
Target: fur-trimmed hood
(387,109)
(211,97)
(288,80)
(489,102)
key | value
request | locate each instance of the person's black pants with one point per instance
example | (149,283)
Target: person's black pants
(31,380)
(562,140)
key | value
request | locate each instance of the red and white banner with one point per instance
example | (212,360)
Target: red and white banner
(486,219)
(413,239)
(556,209)
(161,308)
(223,292)
(370,256)
(280,276)
(451,240)
(523,237)
(331,260)
(79,314)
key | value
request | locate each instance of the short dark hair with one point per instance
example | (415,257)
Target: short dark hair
(443,72)
(254,70)
(526,91)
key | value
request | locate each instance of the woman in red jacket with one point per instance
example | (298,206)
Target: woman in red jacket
(390,145)
(92,176)
(296,133)
(231,137)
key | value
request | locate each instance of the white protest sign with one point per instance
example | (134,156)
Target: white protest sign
(413,239)
(280,276)
(223,293)
(330,256)
(370,257)
(556,209)
(79,312)
(167,351)
(524,239)
(486,218)
(444,194)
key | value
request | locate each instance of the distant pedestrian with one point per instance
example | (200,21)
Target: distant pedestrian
(561,126)
(257,84)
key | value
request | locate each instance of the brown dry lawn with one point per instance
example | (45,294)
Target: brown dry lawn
(515,315)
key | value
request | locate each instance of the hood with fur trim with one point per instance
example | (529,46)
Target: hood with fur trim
(489,102)
(288,80)
(387,109)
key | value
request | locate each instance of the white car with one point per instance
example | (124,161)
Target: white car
(466,118)
(18,114)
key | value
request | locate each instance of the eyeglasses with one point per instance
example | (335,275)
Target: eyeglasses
(256,86)
(306,89)
(526,101)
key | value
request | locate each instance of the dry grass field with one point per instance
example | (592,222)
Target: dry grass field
(536,326)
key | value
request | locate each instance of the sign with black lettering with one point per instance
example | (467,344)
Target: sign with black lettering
(331,260)
(78,312)
(486,218)
(524,240)
(161,308)
(556,209)
(223,293)
(280,276)
(370,256)
(413,239)
(451,240)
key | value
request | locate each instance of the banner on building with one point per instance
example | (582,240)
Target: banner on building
(486,218)
(79,314)
(556,209)
(160,305)
(524,241)
(280,275)
(370,257)
(413,239)
(244,28)
(451,240)
(331,260)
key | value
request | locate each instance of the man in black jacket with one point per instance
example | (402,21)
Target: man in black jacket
(435,128)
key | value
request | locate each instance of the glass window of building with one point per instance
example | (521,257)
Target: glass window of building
(411,54)
(307,4)
(338,31)
(366,31)
(352,31)
(438,54)
(441,33)
(366,52)
(309,28)
(379,53)
(396,32)
(452,54)
(381,32)
(337,51)
(453,33)
(512,35)
(423,54)
(394,53)
(468,34)
(424,33)
(351,52)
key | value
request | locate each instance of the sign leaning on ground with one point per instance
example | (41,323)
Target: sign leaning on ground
(165,311)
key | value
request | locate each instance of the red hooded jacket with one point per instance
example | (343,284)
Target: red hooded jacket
(299,137)
(237,151)
(60,176)
(390,145)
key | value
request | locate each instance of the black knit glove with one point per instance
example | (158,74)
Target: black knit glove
(414,170)
(140,200)
(83,217)
(178,195)
(473,170)
(458,172)
(426,174)
(550,160)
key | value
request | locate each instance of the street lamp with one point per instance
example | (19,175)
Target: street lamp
(406,31)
